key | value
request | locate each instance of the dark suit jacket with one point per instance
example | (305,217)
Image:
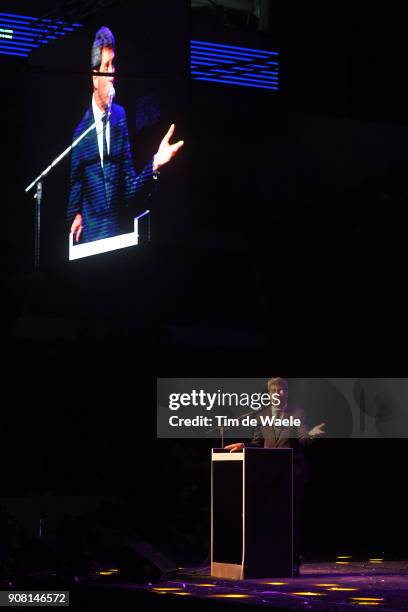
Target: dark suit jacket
(267,436)
(102,195)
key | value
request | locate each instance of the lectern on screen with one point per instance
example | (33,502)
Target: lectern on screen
(251,513)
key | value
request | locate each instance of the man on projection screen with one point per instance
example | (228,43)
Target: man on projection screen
(103,179)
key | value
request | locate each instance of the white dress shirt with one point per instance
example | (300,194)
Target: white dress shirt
(98,114)
(279,411)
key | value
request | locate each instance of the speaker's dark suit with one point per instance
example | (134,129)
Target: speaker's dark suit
(268,436)
(101,195)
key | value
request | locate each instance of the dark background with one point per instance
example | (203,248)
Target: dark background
(285,257)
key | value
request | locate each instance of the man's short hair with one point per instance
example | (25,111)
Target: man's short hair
(103,38)
(282,382)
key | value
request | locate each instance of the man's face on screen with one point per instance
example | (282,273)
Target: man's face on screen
(101,84)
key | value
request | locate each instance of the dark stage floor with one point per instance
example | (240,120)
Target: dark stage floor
(321,586)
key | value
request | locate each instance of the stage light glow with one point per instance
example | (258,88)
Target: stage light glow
(208,586)
(378,599)
(308,594)
(326,584)
(275,583)
(231,596)
(344,557)
(342,589)
(6,33)
(342,562)
(163,589)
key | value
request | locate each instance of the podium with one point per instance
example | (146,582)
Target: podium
(251,513)
(104,245)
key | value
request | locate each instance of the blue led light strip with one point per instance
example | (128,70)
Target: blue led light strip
(20,17)
(245,75)
(12,53)
(20,34)
(215,67)
(231,55)
(219,63)
(201,43)
(241,83)
(22,45)
(243,65)
(241,77)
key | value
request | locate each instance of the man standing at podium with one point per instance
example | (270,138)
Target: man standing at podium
(103,179)
(271,436)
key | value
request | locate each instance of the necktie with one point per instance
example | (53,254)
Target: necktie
(277,429)
(105,142)
(105,159)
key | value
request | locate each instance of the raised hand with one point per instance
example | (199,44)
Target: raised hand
(317,430)
(166,150)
